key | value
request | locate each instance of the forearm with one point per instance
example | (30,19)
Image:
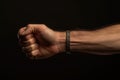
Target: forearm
(104,41)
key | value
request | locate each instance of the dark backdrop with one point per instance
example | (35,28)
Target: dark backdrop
(58,15)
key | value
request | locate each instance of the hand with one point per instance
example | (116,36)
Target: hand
(39,41)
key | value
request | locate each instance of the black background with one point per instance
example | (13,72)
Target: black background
(58,15)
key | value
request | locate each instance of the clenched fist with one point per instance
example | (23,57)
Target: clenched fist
(39,41)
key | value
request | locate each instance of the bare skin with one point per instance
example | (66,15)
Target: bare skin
(39,42)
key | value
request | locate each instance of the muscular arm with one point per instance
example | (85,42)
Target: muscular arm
(105,41)
(39,41)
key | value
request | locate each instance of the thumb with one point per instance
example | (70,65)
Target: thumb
(21,31)
(29,30)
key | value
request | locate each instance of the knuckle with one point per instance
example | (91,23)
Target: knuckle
(31,50)
(29,25)
(29,36)
(21,30)
(35,52)
(32,47)
(42,25)
(35,46)
(28,42)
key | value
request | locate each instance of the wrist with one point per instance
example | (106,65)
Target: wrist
(61,41)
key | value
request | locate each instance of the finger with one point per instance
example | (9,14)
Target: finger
(30,48)
(30,29)
(27,37)
(26,30)
(37,25)
(34,54)
(20,32)
(28,42)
